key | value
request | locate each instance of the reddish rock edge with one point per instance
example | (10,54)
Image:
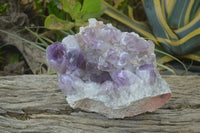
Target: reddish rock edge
(137,107)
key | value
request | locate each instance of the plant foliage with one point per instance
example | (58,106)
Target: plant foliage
(3,8)
(71,13)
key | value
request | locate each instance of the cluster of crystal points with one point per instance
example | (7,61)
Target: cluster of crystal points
(105,70)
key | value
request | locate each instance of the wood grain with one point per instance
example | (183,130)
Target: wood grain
(34,103)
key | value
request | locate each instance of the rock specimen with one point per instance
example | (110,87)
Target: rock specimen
(104,70)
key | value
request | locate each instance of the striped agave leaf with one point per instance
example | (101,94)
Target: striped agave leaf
(139,27)
(173,25)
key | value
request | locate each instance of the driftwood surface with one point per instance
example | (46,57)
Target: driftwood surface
(34,103)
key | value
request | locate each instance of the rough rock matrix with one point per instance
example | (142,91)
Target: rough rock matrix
(104,70)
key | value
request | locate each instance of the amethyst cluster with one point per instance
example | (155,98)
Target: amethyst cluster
(105,70)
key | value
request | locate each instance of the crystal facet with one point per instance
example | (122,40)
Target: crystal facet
(104,70)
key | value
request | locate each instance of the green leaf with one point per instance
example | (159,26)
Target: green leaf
(187,29)
(187,45)
(80,23)
(76,10)
(164,8)
(163,57)
(194,56)
(73,8)
(85,17)
(38,36)
(91,6)
(23,39)
(169,5)
(54,23)
(68,6)
(52,7)
(91,15)
(177,17)
(194,9)
(183,12)
(156,18)
(4,8)
(167,68)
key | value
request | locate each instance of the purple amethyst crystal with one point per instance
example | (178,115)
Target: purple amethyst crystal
(134,43)
(105,70)
(66,83)
(88,35)
(75,59)
(63,57)
(123,59)
(100,78)
(57,57)
(146,72)
(124,77)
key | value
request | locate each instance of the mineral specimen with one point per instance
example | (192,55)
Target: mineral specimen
(104,70)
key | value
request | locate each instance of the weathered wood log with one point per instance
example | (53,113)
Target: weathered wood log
(34,103)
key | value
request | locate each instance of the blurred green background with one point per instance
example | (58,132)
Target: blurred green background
(29,26)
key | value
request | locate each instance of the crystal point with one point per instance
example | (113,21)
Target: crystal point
(57,57)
